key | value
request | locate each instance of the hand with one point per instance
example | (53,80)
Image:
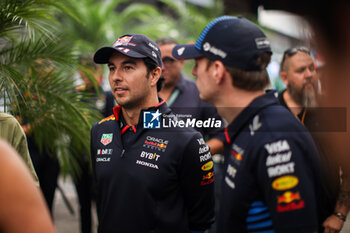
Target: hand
(333,224)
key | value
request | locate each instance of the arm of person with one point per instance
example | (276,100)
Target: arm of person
(23,208)
(216,146)
(197,182)
(22,148)
(335,222)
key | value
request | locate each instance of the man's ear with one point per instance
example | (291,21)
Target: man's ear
(155,75)
(218,71)
(284,78)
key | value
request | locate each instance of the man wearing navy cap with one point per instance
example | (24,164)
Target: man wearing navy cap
(272,166)
(150,178)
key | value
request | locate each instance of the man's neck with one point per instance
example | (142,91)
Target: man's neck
(294,107)
(234,102)
(131,115)
(166,91)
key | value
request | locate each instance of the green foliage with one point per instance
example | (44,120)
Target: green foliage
(37,64)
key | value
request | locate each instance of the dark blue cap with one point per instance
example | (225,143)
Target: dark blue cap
(131,45)
(235,41)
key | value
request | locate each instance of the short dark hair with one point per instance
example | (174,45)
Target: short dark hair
(251,80)
(166,40)
(151,65)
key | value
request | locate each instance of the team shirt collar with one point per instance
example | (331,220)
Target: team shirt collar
(231,131)
(162,106)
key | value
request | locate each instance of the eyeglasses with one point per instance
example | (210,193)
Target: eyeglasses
(292,51)
(168,60)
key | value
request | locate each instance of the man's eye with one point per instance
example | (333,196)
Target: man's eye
(111,68)
(128,67)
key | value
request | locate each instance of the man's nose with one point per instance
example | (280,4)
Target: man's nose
(116,76)
(308,74)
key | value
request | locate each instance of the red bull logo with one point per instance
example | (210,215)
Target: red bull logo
(203,183)
(122,41)
(161,145)
(291,206)
(238,156)
(208,176)
(288,197)
(107,119)
(289,201)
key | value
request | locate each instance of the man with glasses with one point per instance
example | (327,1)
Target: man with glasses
(271,175)
(182,97)
(298,72)
(301,95)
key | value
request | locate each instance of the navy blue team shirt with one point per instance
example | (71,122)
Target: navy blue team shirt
(272,172)
(151,180)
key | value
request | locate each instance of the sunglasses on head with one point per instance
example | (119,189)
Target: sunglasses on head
(168,60)
(292,51)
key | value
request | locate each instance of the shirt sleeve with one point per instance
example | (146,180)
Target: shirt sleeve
(288,174)
(19,142)
(197,181)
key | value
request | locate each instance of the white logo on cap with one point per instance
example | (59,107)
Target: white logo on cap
(262,43)
(212,49)
(154,54)
(152,46)
(180,51)
(206,46)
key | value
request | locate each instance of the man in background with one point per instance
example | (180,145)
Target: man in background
(301,97)
(182,96)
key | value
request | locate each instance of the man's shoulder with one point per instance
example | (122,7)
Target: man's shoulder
(105,122)
(278,116)
(277,123)
(7,119)
(274,122)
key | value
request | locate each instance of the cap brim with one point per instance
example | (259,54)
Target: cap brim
(103,55)
(186,51)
